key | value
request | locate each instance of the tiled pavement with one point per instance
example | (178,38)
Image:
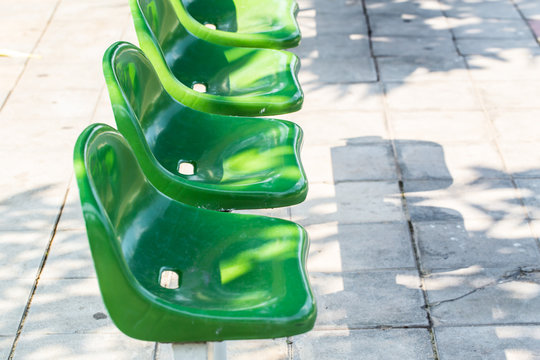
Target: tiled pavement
(423,154)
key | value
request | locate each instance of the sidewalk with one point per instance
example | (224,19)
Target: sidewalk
(422,147)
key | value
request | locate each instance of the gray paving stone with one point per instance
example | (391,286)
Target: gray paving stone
(489,28)
(317,22)
(530,193)
(337,70)
(349,163)
(409,25)
(282,213)
(340,127)
(72,216)
(82,347)
(477,296)
(510,94)
(390,344)
(68,306)
(336,248)
(5,346)
(333,47)
(422,68)
(451,245)
(366,299)
(437,126)
(13,297)
(420,8)
(333,7)
(529,8)
(275,349)
(429,160)
(442,96)
(494,46)
(22,253)
(488,342)
(350,203)
(440,200)
(510,125)
(480,9)
(413,46)
(522,159)
(359,97)
(517,64)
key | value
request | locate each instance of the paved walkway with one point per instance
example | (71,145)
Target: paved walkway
(421,145)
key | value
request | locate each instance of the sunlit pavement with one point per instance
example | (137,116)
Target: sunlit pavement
(421,145)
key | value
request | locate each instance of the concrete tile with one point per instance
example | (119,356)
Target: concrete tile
(366,299)
(350,203)
(340,70)
(510,94)
(529,8)
(68,306)
(336,248)
(530,193)
(315,21)
(465,162)
(422,68)
(349,163)
(421,8)
(488,342)
(451,95)
(72,216)
(518,64)
(327,46)
(494,46)
(439,200)
(13,297)
(82,347)
(5,346)
(413,46)
(511,125)
(333,7)
(359,97)
(451,245)
(59,104)
(476,296)
(275,349)
(409,25)
(10,69)
(522,159)
(103,112)
(22,252)
(387,344)
(474,27)
(440,126)
(465,9)
(96,9)
(69,257)
(282,213)
(340,127)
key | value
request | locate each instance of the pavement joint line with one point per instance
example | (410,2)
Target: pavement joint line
(39,272)
(370,38)
(372,327)
(412,236)
(480,325)
(155,352)
(524,18)
(25,65)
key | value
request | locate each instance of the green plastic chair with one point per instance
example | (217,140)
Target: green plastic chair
(265,23)
(237,163)
(230,80)
(238,276)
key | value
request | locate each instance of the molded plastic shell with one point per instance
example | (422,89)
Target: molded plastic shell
(239,163)
(237,80)
(240,276)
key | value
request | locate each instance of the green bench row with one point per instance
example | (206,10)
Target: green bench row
(148,216)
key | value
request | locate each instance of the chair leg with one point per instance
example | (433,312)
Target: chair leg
(200,351)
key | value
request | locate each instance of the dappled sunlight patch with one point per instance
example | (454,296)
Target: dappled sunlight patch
(521,290)
(409,281)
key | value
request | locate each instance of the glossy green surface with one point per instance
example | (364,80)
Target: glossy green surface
(240,163)
(238,81)
(241,276)
(264,23)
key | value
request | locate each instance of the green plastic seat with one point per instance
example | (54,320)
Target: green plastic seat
(215,78)
(239,276)
(265,23)
(237,163)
